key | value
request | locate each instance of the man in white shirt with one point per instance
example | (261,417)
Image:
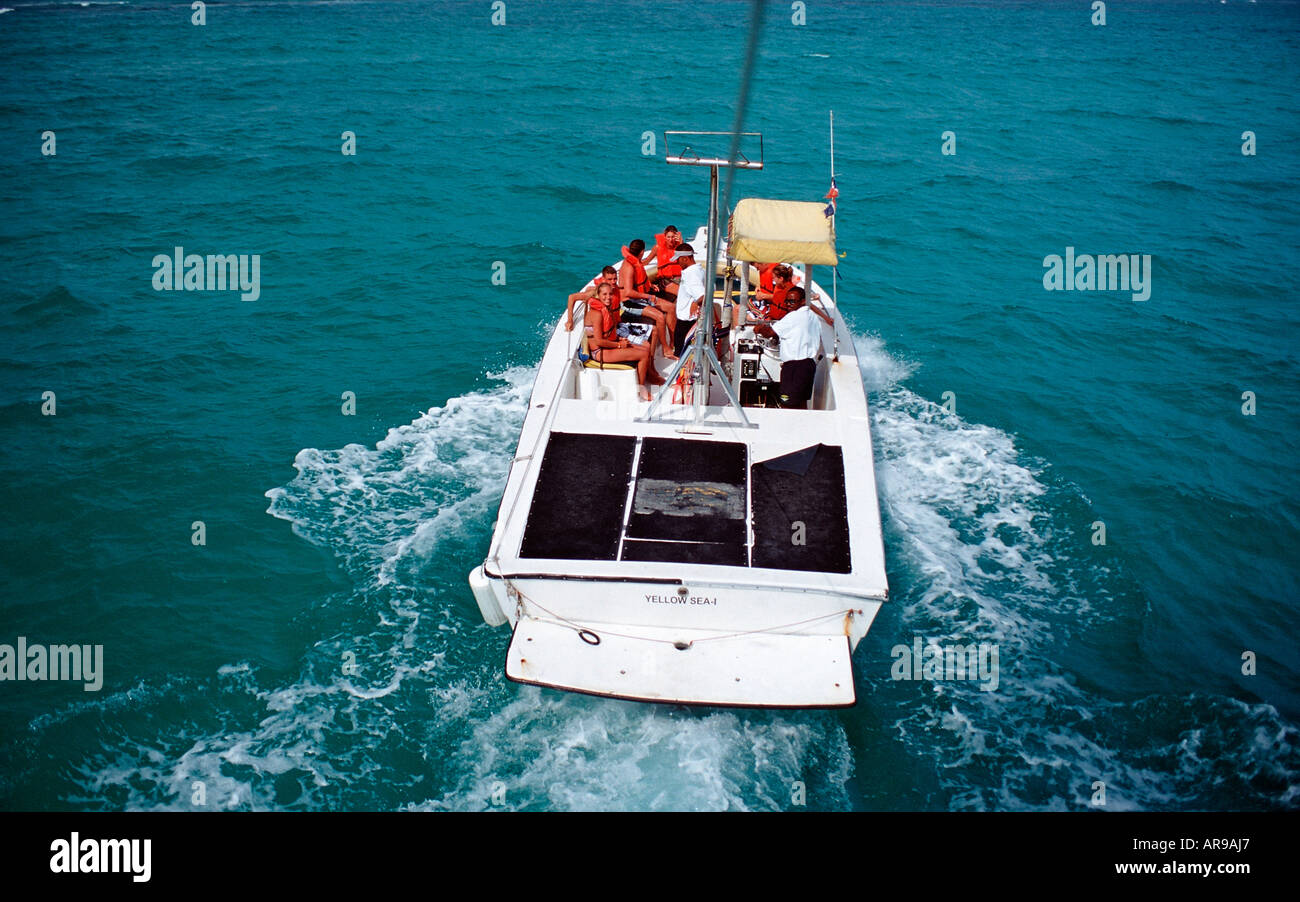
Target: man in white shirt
(690,295)
(800,335)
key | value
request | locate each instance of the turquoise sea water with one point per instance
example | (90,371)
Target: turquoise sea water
(329,534)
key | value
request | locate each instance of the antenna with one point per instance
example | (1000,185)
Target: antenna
(835,272)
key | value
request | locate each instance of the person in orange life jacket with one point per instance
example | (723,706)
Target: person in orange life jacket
(607,275)
(800,336)
(757,305)
(604,345)
(632,326)
(634,285)
(774,304)
(668,275)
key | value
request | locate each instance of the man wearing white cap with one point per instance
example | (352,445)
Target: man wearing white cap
(690,295)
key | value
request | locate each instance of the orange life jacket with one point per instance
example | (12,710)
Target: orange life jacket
(765,278)
(608,319)
(777,307)
(664,254)
(595,289)
(639,278)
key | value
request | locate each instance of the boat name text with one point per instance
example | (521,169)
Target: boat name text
(681,599)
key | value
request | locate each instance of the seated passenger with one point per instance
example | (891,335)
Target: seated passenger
(774,304)
(757,305)
(800,336)
(604,345)
(634,285)
(636,328)
(609,276)
(668,274)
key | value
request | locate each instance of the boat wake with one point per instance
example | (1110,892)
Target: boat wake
(987,546)
(546,750)
(984,546)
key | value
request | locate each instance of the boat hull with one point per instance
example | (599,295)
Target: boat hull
(714,562)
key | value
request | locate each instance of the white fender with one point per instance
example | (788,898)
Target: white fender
(481,586)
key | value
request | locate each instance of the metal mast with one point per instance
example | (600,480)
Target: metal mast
(702,354)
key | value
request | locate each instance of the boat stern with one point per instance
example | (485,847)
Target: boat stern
(685,667)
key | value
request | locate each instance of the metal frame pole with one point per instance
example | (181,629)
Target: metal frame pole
(704,326)
(703,356)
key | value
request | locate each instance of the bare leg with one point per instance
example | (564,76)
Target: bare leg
(669,311)
(652,376)
(669,306)
(660,330)
(666,338)
(631,354)
(653,342)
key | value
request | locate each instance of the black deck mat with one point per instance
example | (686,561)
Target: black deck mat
(689,491)
(730,554)
(697,461)
(782,497)
(577,510)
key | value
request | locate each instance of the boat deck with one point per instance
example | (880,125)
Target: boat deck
(619,498)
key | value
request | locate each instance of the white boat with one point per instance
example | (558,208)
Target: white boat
(705,547)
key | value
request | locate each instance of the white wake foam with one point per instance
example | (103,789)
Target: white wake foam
(550,751)
(975,531)
(975,552)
